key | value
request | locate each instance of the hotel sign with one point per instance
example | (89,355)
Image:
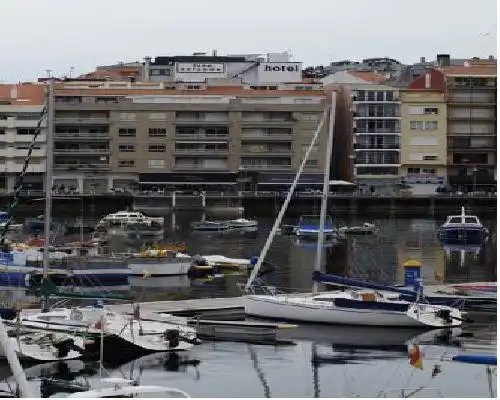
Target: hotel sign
(196,68)
(277,72)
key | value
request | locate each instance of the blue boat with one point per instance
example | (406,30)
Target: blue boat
(462,228)
(309,227)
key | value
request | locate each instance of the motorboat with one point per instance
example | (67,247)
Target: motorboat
(463,228)
(352,307)
(45,346)
(118,329)
(217,265)
(243,223)
(365,229)
(64,264)
(309,227)
(158,262)
(210,226)
(120,218)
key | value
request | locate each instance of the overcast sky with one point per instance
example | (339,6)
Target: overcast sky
(36,35)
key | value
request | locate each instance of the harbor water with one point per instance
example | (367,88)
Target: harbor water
(324,361)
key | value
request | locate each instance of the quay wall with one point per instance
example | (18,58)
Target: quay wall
(257,204)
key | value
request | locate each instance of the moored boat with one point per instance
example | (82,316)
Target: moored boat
(210,226)
(365,229)
(309,227)
(463,228)
(157,262)
(243,223)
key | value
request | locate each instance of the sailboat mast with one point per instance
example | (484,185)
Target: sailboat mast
(48,184)
(326,189)
(284,207)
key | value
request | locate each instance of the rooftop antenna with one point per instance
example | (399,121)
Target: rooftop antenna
(49,73)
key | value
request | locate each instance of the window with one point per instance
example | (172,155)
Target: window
(431,111)
(26,131)
(156,163)
(156,148)
(389,96)
(423,141)
(361,95)
(126,163)
(430,158)
(413,171)
(415,110)
(26,147)
(423,157)
(2,131)
(126,148)
(370,96)
(127,116)
(429,171)
(158,116)
(418,171)
(313,150)
(157,132)
(423,125)
(127,132)
(311,164)
(311,116)
(380,96)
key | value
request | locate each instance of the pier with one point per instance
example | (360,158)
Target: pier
(262,203)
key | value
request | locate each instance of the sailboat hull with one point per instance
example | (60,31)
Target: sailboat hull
(300,309)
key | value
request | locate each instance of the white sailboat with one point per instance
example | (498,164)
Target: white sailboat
(351,307)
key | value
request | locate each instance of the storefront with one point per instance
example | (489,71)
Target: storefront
(188,181)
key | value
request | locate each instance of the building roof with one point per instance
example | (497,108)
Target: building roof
(368,76)
(113,73)
(27,94)
(433,79)
(487,70)
(145,89)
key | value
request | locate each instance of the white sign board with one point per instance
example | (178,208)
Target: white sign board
(280,72)
(196,68)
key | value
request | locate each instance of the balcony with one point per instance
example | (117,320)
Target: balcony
(78,136)
(201,118)
(200,167)
(364,146)
(267,134)
(266,167)
(472,134)
(358,115)
(491,117)
(279,152)
(201,151)
(82,120)
(82,167)
(82,151)
(396,130)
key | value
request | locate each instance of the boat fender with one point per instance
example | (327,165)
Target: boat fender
(172,336)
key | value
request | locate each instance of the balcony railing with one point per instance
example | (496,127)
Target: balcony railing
(265,167)
(201,136)
(81,135)
(201,121)
(198,167)
(472,134)
(201,150)
(266,151)
(359,115)
(82,151)
(268,122)
(395,130)
(361,146)
(70,167)
(82,120)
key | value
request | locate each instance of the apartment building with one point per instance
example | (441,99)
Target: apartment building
(117,134)
(471,95)
(376,126)
(424,133)
(21,106)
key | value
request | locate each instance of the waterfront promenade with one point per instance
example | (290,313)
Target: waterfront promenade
(265,202)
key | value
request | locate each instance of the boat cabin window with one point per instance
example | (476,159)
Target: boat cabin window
(455,220)
(49,317)
(471,220)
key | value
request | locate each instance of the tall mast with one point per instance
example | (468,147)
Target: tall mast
(48,185)
(326,189)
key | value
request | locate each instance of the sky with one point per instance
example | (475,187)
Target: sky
(36,35)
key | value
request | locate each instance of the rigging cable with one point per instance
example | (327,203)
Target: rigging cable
(19,184)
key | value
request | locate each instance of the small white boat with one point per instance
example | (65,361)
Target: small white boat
(352,307)
(463,228)
(243,223)
(121,218)
(45,346)
(155,336)
(479,289)
(365,229)
(131,390)
(210,226)
(151,263)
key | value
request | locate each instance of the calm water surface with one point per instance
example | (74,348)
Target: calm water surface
(325,361)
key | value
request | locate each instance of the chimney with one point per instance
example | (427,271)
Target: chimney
(147,69)
(422,60)
(13,92)
(491,58)
(427,80)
